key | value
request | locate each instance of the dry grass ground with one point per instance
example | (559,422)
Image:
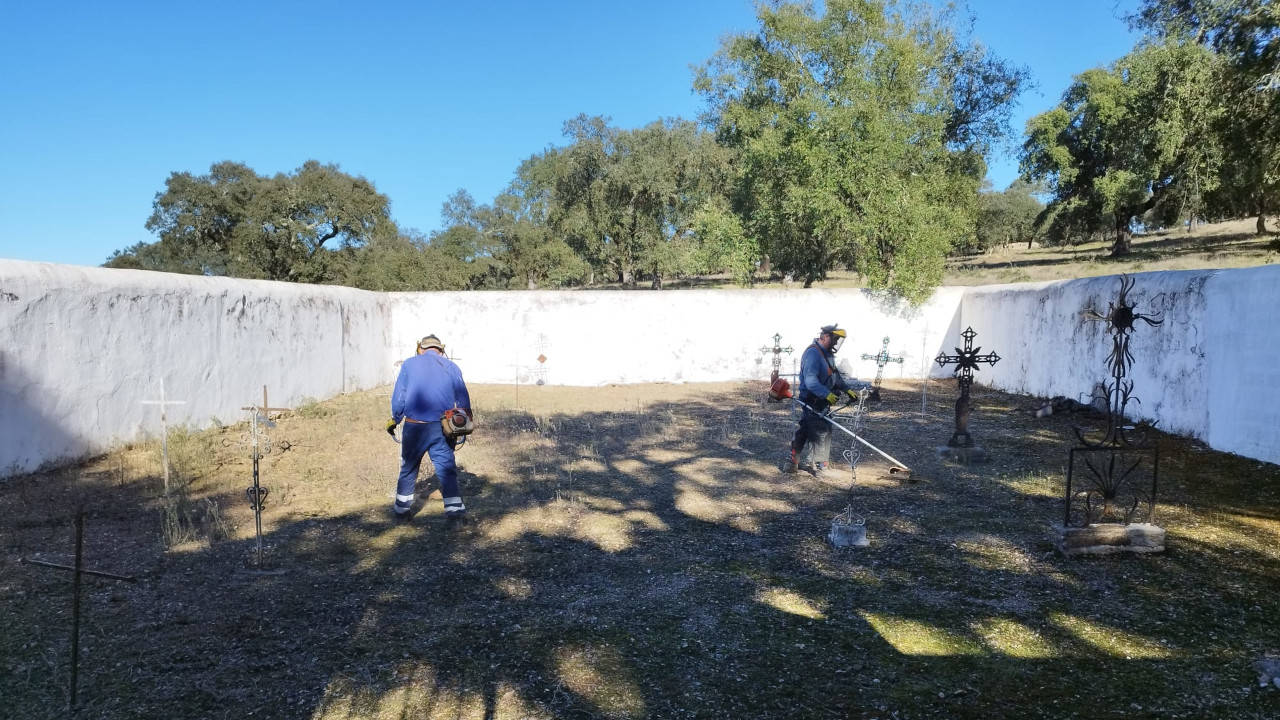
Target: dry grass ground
(635,553)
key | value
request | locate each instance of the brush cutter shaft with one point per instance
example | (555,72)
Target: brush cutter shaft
(852,434)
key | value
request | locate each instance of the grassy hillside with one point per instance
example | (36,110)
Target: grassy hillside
(1231,244)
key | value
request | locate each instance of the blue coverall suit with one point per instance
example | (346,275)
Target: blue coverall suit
(428,385)
(818,379)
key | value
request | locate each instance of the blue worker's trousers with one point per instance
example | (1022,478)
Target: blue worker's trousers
(417,440)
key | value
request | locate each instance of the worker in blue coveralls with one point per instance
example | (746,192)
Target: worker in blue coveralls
(821,385)
(428,385)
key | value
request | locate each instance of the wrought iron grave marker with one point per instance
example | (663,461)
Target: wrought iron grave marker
(77,570)
(882,358)
(966,362)
(1111,487)
(164,430)
(259,444)
(776,351)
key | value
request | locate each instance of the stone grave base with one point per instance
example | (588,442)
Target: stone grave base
(1109,539)
(842,535)
(962,455)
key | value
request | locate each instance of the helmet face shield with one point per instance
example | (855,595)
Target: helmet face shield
(837,339)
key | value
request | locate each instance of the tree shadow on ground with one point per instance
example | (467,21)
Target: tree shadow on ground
(654,563)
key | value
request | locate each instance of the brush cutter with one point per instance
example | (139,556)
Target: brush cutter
(895,469)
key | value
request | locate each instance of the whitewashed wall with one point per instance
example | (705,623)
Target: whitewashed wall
(596,338)
(1210,370)
(81,348)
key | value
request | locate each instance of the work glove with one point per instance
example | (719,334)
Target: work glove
(391,427)
(832,398)
(853,394)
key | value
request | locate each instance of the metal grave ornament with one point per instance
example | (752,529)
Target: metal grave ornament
(164,430)
(259,444)
(776,351)
(882,358)
(854,423)
(966,361)
(77,570)
(1110,503)
(541,370)
(848,529)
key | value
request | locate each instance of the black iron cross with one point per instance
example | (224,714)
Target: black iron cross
(966,361)
(882,358)
(78,569)
(777,351)
(256,493)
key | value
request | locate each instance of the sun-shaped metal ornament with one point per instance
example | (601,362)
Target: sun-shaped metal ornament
(1121,319)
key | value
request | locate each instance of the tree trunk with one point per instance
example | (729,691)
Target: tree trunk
(657,281)
(1123,236)
(1262,224)
(531,284)
(765,266)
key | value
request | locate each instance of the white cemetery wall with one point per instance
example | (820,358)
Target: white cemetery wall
(1241,339)
(81,348)
(599,337)
(1209,371)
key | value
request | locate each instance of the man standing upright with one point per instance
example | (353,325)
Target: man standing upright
(820,382)
(429,385)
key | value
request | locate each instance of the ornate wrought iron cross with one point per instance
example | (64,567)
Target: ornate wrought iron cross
(777,351)
(966,361)
(1113,484)
(259,445)
(882,358)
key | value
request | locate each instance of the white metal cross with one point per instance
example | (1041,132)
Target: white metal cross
(164,429)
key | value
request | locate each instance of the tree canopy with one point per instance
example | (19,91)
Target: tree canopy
(847,134)
(1245,37)
(861,130)
(1126,138)
(233,221)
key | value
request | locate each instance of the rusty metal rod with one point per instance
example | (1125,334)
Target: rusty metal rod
(75,607)
(28,561)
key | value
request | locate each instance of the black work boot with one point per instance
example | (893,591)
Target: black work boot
(455,518)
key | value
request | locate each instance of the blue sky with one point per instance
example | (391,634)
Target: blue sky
(101,101)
